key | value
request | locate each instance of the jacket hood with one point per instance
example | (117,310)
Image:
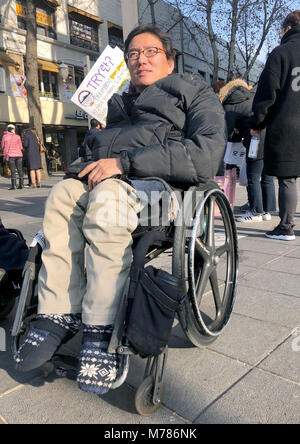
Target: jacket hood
(292,34)
(233,92)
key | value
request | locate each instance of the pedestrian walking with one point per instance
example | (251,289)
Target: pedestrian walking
(86,148)
(33,157)
(276,108)
(13,154)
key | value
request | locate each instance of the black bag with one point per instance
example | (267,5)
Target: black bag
(154,298)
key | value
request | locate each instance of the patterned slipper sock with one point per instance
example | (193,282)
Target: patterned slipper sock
(97,368)
(42,341)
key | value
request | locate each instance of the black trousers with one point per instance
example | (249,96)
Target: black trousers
(16,163)
(287,200)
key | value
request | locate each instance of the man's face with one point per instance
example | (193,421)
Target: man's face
(146,70)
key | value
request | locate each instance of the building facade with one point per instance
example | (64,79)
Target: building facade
(74,33)
(69,32)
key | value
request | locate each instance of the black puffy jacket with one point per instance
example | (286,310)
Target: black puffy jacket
(175,130)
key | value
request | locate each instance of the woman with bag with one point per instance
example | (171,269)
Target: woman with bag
(32,147)
(237,99)
(13,154)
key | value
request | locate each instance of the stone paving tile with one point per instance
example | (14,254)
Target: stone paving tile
(60,401)
(194,377)
(284,361)
(249,340)
(278,282)
(268,306)
(258,398)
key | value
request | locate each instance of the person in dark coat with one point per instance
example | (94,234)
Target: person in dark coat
(13,251)
(33,157)
(237,99)
(170,129)
(276,108)
(86,148)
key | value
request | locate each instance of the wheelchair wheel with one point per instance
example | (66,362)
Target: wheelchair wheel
(144,397)
(205,254)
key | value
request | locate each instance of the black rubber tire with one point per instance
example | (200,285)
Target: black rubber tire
(187,315)
(143,397)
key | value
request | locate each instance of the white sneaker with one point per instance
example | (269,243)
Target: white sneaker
(249,217)
(266,216)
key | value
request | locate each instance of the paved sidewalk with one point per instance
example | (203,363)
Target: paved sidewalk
(249,375)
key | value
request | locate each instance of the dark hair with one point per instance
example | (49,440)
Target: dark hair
(158,32)
(293,19)
(95,123)
(218,85)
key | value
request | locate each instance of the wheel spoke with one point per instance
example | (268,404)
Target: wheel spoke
(223,249)
(215,289)
(202,281)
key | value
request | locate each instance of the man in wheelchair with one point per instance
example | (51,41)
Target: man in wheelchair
(170,129)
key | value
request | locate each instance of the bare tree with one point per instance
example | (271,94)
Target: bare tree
(152,4)
(231,24)
(31,69)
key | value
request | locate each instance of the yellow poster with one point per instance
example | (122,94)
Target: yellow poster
(41,17)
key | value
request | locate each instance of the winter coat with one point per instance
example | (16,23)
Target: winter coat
(32,151)
(174,130)
(276,107)
(12,145)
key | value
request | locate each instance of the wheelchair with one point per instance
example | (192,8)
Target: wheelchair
(10,284)
(204,247)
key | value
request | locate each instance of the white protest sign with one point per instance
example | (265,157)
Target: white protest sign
(108,76)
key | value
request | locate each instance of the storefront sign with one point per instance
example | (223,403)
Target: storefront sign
(108,76)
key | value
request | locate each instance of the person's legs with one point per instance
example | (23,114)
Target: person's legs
(32,178)
(38,178)
(287,202)
(61,283)
(19,164)
(12,166)
(268,193)
(254,170)
(110,220)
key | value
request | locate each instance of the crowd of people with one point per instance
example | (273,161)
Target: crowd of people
(25,154)
(169,128)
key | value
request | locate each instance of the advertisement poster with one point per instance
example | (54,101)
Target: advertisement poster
(17,85)
(108,76)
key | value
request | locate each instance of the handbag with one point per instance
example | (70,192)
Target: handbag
(154,298)
(235,153)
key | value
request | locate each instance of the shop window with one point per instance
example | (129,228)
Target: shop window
(83,30)
(45,18)
(48,84)
(115,36)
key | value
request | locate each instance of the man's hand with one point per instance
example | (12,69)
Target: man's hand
(255,133)
(100,170)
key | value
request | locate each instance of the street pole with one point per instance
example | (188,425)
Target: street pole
(130,16)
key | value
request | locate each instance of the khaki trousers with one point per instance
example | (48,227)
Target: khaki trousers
(102,221)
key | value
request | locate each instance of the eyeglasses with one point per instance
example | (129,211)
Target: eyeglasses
(134,54)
